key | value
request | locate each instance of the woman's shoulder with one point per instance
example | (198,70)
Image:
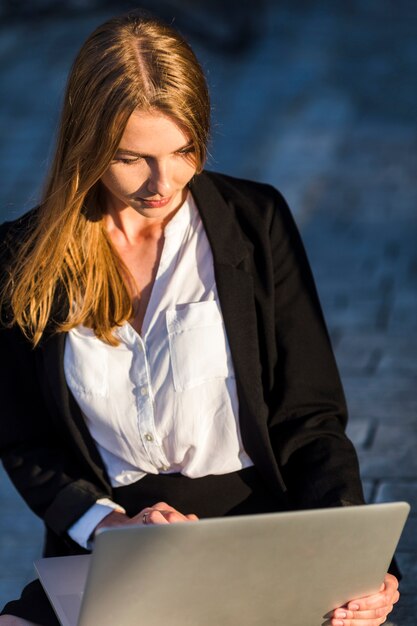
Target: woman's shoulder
(256,204)
(256,207)
(243,189)
(13,231)
(19,224)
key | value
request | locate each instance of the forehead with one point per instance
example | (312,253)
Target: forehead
(153,133)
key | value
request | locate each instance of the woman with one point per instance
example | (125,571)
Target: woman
(165,353)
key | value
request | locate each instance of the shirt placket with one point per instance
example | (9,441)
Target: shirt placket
(145,404)
(145,408)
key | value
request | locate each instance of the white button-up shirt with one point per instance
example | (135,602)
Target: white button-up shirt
(164,401)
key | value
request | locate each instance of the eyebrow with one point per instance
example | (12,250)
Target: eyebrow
(144,156)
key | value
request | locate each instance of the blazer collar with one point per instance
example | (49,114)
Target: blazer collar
(227,243)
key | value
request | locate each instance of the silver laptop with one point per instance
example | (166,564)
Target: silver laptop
(287,568)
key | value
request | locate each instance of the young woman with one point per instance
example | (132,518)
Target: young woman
(164,352)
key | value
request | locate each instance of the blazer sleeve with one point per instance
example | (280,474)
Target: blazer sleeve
(42,462)
(307,406)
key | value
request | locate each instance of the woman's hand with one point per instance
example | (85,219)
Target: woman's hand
(160,513)
(371,610)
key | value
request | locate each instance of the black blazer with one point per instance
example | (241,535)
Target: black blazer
(291,404)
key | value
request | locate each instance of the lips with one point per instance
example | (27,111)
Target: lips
(155,204)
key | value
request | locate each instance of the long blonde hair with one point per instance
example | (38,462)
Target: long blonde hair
(130,62)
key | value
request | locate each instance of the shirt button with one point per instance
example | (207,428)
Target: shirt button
(164,468)
(148,437)
(143,391)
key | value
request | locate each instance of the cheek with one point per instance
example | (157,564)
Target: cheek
(121,182)
(185,173)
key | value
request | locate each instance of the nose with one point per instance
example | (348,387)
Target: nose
(160,178)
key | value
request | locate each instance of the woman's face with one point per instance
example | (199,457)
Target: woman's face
(151,168)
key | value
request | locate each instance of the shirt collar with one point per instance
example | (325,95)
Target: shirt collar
(182,218)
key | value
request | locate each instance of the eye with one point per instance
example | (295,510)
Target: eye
(126,160)
(185,151)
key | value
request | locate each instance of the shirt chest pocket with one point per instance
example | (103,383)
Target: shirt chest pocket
(86,369)
(198,345)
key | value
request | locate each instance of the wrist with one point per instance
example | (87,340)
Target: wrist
(114,518)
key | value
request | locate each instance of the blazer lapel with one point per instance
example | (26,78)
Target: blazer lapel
(232,262)
(52,363)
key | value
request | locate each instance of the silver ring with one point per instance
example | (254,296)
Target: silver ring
(145,518)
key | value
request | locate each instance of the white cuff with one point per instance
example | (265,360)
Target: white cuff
(83,528)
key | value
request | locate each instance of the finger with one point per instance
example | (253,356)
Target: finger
(358,622)
(390,583)
(161,517)
(148,516)
(156,517)
(372,614)
(173,515)
(388,590)
(161,513)
(372,602)
(170,515)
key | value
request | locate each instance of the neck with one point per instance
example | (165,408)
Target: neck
(130,225)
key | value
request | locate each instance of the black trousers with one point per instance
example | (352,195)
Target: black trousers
(238,493)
